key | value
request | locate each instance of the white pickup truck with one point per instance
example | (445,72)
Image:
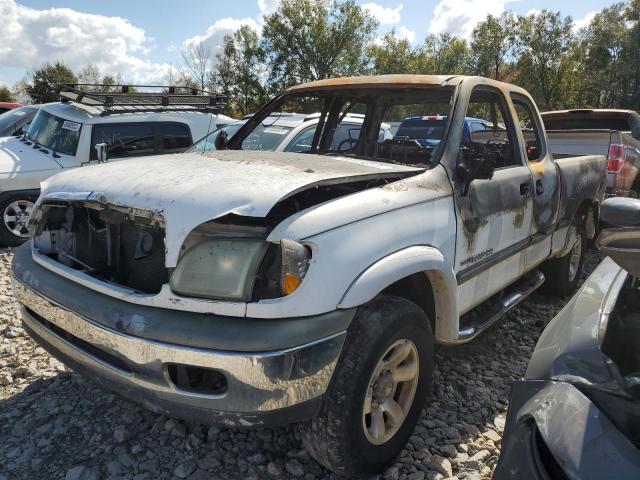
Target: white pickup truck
(252,288)
(64,135)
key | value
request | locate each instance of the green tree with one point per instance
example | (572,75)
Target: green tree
(240,70)
(444,55)
(392,55)
(493,43)
(6,95)
(602,47)
(545,65)
(306,40)
(631,55)
(43,84)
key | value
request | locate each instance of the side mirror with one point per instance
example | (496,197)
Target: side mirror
(22,130)
(620,237)
(474,163)
(101,149)
(221,140)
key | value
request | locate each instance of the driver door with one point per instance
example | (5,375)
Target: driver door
(494,218)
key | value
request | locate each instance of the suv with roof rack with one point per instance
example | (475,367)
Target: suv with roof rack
(89,127)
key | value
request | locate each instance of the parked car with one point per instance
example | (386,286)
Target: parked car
(16,122)
(576,415)
(287,132)
(429,130)
(614,133)
(254,288)
(64,135)
(6,106)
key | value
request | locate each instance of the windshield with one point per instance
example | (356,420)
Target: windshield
(208,142)
(55,133)
(375,111)
(12,117)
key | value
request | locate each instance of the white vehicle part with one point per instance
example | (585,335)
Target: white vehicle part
(406,262)
(16,157)
(190,189)
(342,254)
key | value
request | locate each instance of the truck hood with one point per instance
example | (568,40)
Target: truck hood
(190,189)
(16,157)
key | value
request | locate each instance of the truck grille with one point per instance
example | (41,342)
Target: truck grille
(110,245)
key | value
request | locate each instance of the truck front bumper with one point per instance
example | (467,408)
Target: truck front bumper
(259,388)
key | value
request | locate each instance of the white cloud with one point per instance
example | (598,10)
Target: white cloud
(31,37)
(404,32)
(459,17)
(384,15)
(216,32)
(267,7)
(583,22)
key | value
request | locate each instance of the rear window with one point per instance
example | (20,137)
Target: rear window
(175,137)
(590,123)
(422,129)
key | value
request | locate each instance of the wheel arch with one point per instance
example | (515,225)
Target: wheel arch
(408,273)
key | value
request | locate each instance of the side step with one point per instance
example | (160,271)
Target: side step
(483,316)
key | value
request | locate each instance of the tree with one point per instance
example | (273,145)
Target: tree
(240,70)
(392,55)
(306,40)
(545,64)
(493,42)
(6,95)
(198,60)
(444,55)
(631,55)
(43,84)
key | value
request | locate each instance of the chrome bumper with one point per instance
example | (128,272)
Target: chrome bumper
(258,383)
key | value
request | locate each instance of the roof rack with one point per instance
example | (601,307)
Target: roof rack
(141,98)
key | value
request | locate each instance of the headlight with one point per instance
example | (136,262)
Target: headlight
(240,269)
(219,269)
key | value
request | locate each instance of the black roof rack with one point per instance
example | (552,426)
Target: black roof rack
(141,98)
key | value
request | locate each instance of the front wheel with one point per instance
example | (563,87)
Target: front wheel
(15,211)
(379,388)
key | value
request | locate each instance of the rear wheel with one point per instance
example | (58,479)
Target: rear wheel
(378,391)
(15,211)
(563,273)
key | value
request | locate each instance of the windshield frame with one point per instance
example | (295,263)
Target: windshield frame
(351,93)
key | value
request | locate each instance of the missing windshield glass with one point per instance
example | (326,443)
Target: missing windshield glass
(397,126)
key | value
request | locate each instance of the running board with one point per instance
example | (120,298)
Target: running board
(483,316)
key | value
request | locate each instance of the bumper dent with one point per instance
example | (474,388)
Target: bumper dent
(259,384)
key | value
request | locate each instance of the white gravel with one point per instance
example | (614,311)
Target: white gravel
(56,425)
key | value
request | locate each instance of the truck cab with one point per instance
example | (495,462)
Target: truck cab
(245,287)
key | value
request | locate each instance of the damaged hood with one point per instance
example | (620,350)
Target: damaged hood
(189,189)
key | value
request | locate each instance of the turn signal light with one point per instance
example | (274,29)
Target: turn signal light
(290,283)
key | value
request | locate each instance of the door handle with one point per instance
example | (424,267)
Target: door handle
(539,187)
(524,188)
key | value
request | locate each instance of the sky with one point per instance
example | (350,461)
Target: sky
(142,39)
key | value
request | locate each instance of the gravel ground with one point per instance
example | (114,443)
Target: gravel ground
(56,425)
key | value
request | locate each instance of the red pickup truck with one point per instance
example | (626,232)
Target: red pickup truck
(6,106)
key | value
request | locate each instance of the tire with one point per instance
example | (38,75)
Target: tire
(341,437)
(14,213)
(562,274)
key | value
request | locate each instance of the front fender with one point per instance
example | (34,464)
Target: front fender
(401,264)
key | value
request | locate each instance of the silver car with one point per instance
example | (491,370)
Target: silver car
(576,415)
(291,132)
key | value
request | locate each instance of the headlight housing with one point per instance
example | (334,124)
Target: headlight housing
(237,268)
(219,269)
